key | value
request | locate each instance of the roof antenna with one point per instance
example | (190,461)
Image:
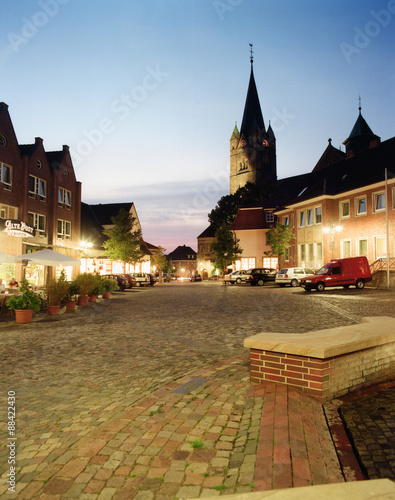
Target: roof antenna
(251,54)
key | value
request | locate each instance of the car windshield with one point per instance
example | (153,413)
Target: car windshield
(324,270)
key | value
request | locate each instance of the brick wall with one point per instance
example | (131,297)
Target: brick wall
(328,378)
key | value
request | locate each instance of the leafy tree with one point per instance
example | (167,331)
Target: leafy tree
(278,238)
(159,260)
(226,208)
(124,242)
(226,247)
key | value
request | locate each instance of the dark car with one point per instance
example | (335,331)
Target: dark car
(122,281)
(195,277)
(153,279)
(259,276)
(131,280)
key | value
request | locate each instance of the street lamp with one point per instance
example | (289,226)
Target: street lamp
(332,229)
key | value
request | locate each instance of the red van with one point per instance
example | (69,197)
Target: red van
(339,272)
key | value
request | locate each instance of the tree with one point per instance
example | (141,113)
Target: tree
(226,208)
(159,260)
(226,247)
(124,242)
(278,238)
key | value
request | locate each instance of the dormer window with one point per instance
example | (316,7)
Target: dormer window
(39,164)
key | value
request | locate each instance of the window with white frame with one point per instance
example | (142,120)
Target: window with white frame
(64,198)
(64,229)
(360,205)
(380,244)
(39,222)
(318,215)
(345,248)
(37,187)
(318,255)
(309,217)
(5,176)
(344,209)
(270,262)
(269,217)
(248,263)
(301,219)
(286,220)
(363,246)
(378,202)
(8,212)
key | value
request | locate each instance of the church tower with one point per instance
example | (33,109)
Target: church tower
(253,148)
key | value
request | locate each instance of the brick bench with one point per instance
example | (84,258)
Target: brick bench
(326,363)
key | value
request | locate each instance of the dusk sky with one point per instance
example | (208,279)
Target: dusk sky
(147,93)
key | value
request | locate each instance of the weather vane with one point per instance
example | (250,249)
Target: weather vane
(251,56)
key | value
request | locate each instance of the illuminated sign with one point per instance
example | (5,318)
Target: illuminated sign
(18,228)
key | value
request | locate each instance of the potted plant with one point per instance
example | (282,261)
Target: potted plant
(71,297)
(56,290)
(97,287)
(109,285)
(24,303)
(85,283)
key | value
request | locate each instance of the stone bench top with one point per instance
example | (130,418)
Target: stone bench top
(373,331)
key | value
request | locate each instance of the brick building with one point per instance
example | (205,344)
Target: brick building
(183,261)
(38,190)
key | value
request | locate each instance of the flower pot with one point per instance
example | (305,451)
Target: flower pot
(70,305)
(23,315)
(53,310)
(83,301)
(106,295)
(93,297)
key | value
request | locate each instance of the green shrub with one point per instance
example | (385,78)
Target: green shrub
(26,300)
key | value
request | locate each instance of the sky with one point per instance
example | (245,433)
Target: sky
(147,94)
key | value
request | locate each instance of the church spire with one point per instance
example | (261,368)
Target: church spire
(252,118)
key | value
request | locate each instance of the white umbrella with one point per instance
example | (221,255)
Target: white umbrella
(6,259)
(48,258)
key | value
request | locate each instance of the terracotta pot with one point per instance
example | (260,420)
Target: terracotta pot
(106,295)
(83,301)
(53,310)
(23,315)
(92,298)
(70,305)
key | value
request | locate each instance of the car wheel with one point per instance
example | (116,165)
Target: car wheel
(238,281)
(294,282)
(138,283)
(320,287)
(360,284)
(261,282)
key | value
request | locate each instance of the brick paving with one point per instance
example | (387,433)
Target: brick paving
(147,395)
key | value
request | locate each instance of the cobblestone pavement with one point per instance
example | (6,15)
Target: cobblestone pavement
(147,395)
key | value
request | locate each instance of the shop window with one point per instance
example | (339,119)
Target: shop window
(64,229)
(38,221)
(5,176)
(37,187)
(270,262)
(379,202)
(344,209)
(318,215)
(361,205)
(248,263)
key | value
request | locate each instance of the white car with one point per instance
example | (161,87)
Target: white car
(292,275)
(142,279)
(235,277)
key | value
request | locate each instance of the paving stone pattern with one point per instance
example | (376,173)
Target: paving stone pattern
(103,408)
(370,421)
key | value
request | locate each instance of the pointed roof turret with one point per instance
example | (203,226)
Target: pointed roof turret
(252,117)
(361,136)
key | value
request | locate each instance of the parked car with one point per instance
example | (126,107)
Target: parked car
(153,279)
(122,281)
(195,277)
(142,279)
(235,277)
(292,275)
(260,276)
(169,277)
(339,272)
(131,280)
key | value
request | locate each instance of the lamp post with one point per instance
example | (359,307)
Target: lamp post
(331,228)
